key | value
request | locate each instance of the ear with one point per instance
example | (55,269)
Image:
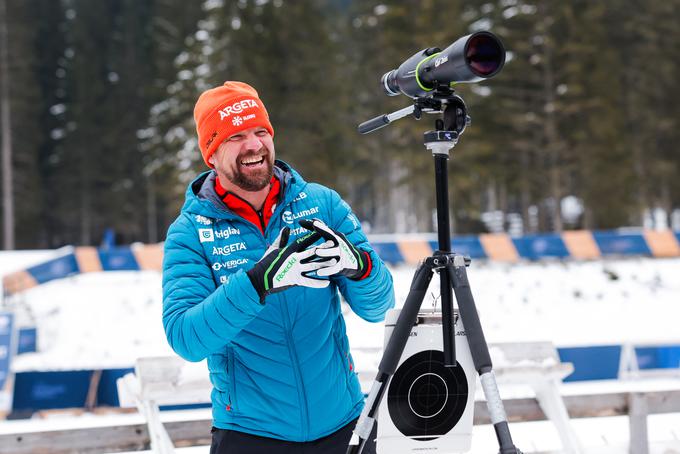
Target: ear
(211,160)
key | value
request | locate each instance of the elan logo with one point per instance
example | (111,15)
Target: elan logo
(237,108)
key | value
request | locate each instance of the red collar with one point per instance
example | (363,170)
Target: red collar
(244,209)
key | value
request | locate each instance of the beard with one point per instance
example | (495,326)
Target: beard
(251,180)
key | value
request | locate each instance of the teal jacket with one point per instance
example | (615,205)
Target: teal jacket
(281,369)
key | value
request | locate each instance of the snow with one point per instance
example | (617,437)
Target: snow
(107,320)
(115,317)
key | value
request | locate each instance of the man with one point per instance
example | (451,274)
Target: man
(251,274)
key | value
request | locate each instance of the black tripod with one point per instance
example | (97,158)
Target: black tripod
(453,277)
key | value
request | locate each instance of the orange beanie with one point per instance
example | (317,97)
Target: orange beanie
(224,111)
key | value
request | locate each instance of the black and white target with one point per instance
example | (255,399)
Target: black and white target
(425,399)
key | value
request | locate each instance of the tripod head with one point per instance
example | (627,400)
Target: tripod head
(442,100)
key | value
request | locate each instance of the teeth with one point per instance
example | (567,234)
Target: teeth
(251,160)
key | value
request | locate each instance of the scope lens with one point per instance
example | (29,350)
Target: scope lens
(484,55)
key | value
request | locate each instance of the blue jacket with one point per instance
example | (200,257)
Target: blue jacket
(281,369)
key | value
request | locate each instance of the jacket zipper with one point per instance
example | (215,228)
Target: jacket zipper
(302,393)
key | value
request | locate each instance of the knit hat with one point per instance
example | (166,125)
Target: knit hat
(224,111)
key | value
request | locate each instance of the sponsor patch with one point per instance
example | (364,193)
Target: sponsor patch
(229,264)
(229,248)
(206,235)
(202,220)
(237,108)
(289,217)
(226,233)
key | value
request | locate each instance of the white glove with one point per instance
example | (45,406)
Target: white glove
(350,261)
(284,266)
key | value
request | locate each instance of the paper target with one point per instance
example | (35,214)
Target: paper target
(425,398)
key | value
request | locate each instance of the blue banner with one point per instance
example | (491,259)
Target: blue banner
(6,348)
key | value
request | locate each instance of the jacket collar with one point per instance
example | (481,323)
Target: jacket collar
(202,199)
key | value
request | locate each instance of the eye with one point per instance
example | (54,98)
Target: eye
(235,138)
(262,133)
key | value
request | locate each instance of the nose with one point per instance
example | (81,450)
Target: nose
(252,143)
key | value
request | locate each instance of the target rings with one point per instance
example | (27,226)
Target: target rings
(426,399)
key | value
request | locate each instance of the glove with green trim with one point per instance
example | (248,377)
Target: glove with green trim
(286,265)
(350,261)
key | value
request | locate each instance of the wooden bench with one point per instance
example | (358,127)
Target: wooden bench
(160,381)
(192,428)
(521,369)
(537,365)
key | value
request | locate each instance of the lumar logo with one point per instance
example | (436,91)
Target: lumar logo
(289,217)
(282,274)
(237,108)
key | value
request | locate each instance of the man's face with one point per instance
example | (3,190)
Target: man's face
(246,159)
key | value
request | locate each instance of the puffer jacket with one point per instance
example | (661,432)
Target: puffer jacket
(281,369)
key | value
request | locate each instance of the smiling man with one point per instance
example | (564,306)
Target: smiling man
(252,273)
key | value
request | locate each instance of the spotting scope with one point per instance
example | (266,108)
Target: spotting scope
(471,58)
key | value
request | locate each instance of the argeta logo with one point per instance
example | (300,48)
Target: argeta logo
(236,121)
(206,235)
(237,108)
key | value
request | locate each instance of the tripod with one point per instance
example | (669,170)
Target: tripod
(453,279)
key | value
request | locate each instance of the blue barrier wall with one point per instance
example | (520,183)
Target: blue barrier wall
(534,247)
(389,252)
(613,243)
(466,245)
(28,340)
(592,363)
(658,357)
(34,391)
(118,259)
(54,269)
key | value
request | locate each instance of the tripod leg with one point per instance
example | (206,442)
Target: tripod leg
(481,357)
(390,360)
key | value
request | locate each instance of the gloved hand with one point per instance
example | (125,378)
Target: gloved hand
(285,265)
(351,262)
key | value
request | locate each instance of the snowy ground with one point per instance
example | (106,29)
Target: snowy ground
(114,317)
(107,320)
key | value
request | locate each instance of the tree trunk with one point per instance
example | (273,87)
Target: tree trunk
(7,186)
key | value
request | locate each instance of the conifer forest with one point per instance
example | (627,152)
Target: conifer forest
(580,130)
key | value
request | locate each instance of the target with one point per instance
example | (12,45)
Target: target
(425,398)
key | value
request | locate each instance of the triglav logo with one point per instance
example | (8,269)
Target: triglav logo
(289,217)
(226,233)
(237,107)
(206,235)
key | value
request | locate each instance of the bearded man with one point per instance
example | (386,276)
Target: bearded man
(252,273)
